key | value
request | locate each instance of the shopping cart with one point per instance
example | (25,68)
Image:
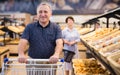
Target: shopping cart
(32,67)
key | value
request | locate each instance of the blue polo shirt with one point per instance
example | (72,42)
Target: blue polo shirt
(42,40)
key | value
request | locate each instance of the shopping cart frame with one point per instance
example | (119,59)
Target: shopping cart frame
(10,64)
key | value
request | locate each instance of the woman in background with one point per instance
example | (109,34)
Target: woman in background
(97,25)
(70,38)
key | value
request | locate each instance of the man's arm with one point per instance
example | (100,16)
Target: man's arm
(59,47)
(58,50)
(21,48)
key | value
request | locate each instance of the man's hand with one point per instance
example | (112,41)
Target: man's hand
(58,49)
(21,48)
(22,59)
(54,58)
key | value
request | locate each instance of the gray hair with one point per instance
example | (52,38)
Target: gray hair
(45,3)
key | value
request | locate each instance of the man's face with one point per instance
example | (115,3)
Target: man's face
(44,13)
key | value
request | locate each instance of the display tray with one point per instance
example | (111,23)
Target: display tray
(14,29)
(6,39)
(21,28)
(3,49)
(106,38)
(1,27)
(81,46)
(106,53)
(13,49)
(93,48)
(110,49)
(89,46)
(88,67)
(96,53)
(13,42)
(113,62)
(86,36)
(83,31)
(95,37)
(2,32)
(104,59)
(105,34)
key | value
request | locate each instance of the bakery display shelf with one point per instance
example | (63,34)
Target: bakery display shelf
(2,39)
(100,56)
(84,31)
(13,42)
(87,45)
(114,62)
(97,56)
(15,29)
(4,53)
(81,46)
(110,50)
(88,32)
(2,33)
(1,27)
(13,47)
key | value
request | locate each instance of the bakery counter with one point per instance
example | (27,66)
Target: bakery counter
(82,50)
(13,47)
(98,56)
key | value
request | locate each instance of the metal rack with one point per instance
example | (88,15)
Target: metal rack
(110,14)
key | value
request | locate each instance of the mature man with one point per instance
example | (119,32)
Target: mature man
(44,37)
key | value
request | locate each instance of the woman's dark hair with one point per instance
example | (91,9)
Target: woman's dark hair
(97,23)
(69,17)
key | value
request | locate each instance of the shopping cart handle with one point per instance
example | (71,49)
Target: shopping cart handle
(6,60)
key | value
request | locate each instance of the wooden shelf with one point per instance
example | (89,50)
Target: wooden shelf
(99,57)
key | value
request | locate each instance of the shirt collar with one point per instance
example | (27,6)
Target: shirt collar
(38,24)
(69,29)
